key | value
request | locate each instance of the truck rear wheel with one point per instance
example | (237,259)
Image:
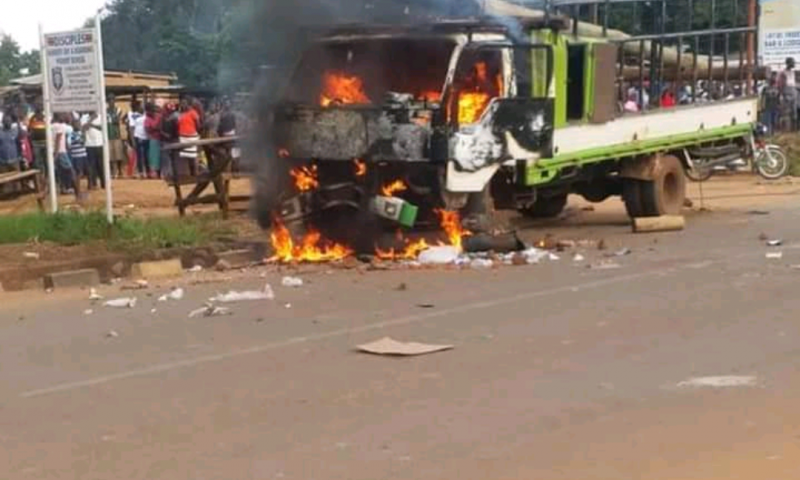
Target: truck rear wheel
(666,194)
(632,196)
(546,207)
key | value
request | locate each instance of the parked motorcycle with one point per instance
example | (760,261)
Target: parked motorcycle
(765,159)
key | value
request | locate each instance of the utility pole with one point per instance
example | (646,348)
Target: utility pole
(751,46)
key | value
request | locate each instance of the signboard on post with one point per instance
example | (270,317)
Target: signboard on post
(779,32)
(72,70)
(73,81)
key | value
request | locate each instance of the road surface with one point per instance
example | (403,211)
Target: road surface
(559,371)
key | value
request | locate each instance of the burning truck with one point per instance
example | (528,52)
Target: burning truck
(442,124)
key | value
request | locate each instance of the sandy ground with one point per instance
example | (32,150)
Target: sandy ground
(559,371)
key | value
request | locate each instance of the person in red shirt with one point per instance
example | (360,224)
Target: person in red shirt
(667,99)
(189,131)
(152,125)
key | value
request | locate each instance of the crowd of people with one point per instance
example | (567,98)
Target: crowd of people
(135,140)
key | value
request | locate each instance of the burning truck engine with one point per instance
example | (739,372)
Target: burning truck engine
(394,129)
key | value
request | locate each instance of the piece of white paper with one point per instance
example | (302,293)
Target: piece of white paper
(389,346)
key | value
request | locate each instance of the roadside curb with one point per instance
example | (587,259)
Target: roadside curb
(82,272)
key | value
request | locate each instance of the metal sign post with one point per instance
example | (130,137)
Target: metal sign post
(48,118)
(103,112)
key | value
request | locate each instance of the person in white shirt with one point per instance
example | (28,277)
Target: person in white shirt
(65,172)
(788,86)
(93,129)
(137,119)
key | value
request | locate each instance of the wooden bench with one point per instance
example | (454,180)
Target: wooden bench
(218,154)
(24,179)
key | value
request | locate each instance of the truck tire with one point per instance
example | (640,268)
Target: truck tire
(664,195)
(632,196)
(546,207)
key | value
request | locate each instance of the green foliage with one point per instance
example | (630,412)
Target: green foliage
(14,62)
(126,234)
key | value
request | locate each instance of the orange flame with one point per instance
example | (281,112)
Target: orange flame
(451,224)
(431,96)
(410,252)
(393,188)
(311,247)
(361,167)
(338,87)
(474,98)
(305,178)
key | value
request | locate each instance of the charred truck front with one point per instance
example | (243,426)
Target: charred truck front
(398,123)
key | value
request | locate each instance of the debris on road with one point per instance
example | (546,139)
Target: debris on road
(402,287)
(137,285)
(390,347)
(723,381)
(88,311)
(426,305)
(774,255)
(112,334)
(578,258)
(175,294)
(504,243)
(623,252)
(210,311)
(763,237)
(481,264)
(31,255)
(121,302)
(758,212)
(94,296)
(234,296)
(439,255)
(666,223)
(605,265)
(292,282)
(222,265)
(774,243)
(195,269)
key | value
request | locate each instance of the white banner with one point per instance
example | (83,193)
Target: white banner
(72,71)
(779,32)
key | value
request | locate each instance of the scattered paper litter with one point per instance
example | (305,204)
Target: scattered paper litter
(774,255)
(389,346)
(195,269)
(534,255)
(439,255)
(88,311)
(121,303)
(605,266)
(112,334)
(774,243)
(93,295)
(723,381)
(578,258)
(292,282)
(481,264)
(210,311)
(31,255)
(234,296)
(175,294)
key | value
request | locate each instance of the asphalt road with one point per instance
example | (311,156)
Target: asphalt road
(559,371)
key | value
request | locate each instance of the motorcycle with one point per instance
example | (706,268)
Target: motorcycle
(766,159)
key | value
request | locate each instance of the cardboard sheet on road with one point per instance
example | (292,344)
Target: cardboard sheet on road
(391,347)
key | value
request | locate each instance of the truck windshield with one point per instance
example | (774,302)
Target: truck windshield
(362,72)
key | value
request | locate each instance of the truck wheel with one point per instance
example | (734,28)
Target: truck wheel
(666,194)
(632,196)
(546,207)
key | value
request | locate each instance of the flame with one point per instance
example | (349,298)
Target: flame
(305,178)
(470,106)
(361,167)
(311,247)
(338,87)
(283,153)
(451,224)
(477,93)
(410,252)
(431,96)
(395,187)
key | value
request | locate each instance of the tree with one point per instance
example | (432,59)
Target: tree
(14,63)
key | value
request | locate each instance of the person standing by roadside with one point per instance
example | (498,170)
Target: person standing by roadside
(94,147)
(77,152)
(152,126)
(169,134)
(9,151)
(37,129)
(65,173)
(189,131)
(771,104)
(140,138)
(227,128)
(116,149)
(788,87)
